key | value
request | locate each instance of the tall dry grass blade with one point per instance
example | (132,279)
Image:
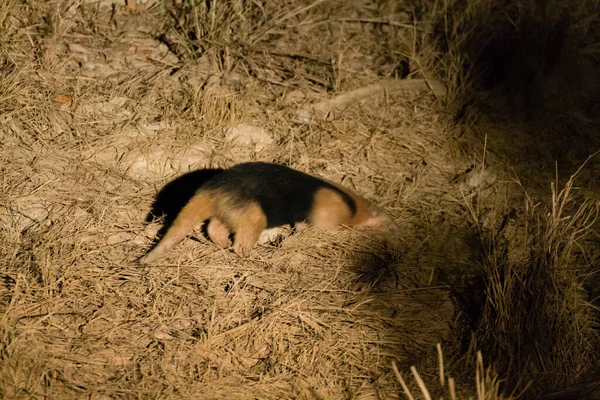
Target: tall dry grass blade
(487,384)
(452,388)
(534,292)
(440,364)
(480,377)
(420,382)
(401,380)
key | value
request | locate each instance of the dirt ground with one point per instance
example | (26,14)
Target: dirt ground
(101,106)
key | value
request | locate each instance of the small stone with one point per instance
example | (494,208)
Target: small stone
(249,135)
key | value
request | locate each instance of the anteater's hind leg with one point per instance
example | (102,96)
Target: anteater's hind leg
(218,232)
(247,224)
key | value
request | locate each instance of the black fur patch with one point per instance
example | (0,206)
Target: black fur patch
(284,194)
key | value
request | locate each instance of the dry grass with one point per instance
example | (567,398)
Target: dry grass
(537,308)
(101,106)
(486,382)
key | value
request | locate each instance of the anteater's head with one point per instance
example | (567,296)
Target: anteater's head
(375,217)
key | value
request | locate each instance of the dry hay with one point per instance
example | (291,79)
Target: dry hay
(97,115)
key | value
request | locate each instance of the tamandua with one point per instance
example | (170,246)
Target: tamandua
(251,197)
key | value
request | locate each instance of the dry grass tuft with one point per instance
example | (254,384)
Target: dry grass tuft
(537,320)
(102,105)
(486,382)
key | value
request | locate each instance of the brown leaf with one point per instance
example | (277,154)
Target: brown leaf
(62,99)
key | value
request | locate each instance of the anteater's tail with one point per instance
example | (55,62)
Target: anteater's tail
(197,210)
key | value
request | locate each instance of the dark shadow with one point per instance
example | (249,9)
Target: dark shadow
(417,312)
(526,69)
(175,194)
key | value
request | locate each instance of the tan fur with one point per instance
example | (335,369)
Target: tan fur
(329,209)
(247,226)
(367,214)
(198,209)
(246,221)
(218,232)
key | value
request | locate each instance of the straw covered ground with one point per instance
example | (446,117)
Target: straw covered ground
(472,125)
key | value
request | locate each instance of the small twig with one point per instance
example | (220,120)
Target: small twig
(380,21)
(305,56)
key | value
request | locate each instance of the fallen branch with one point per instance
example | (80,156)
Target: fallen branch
(325,109)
